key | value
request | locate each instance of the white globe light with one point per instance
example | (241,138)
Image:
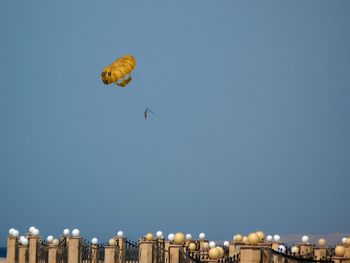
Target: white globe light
(49,239)
(276,238)
(159,234)
(269,238)
(55,242)
(226,243)
(94,241)
(343,240)
(120,234)
(201,236)
(282,248)
(31,229)
(36,232)
(21,238)
(11,231)
(66,232)
(188,236)
(15,233)
(212,244)
(305,239)
(171,237)
(24,242)
(76,232)
(295,249)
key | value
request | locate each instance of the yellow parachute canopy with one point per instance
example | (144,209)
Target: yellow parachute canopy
(118,70)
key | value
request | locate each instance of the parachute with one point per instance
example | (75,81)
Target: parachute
(118,71)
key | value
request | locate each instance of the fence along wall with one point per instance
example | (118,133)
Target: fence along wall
(74,249)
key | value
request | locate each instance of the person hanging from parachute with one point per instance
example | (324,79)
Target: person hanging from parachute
(146,113)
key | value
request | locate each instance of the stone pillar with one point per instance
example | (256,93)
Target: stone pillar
(234,248)
(110,254)
(145,251)
(74,250)
(305,249)
(23,254)
(320,253)
(95,257)
(166,254)
(121,241)
(33,248)
(174,251)
(12,249)
(347,251)
(53,253)
(250,254)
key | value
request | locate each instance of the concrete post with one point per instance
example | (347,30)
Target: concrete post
(74,250)
(33,248)
(121,241)
(234,248)
(53,253)
(95,256)
(347,251)
(305,249)
(166,248)
(111,254)
(174,251)
(12,249)
(146,252)
(341,260)
(250,254)
(320,252)
(23,254)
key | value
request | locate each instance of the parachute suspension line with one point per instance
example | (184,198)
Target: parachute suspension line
(218,162)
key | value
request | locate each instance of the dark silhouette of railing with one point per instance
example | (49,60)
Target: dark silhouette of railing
(131,252)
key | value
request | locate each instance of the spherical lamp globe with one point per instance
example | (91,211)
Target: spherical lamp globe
(245,240)
(347,241)
(253,239)
(15,233)
(238,238)
(49,239)
(212,244)
(11,231)
(171,237)
(261,235)
(269,238)
(66,232)
(31,229)
(188,237)
(55,242)
(226,243)
(192,246)
(159,234)
(322,242)
(112,242)
(214,253)
(149,237)
(25,242)
(339,251)
(120,233)
(201,236)
(276,238)
(179,238)
(94,241)
(305,239)
(221,252)
(76,232)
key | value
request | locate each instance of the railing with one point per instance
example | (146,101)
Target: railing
(188,257)
(131,252)
(43,252)
(270,255)
(62,251)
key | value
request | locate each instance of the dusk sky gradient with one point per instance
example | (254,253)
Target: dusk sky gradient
(251,127)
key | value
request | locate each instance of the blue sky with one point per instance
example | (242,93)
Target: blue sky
(251,126)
